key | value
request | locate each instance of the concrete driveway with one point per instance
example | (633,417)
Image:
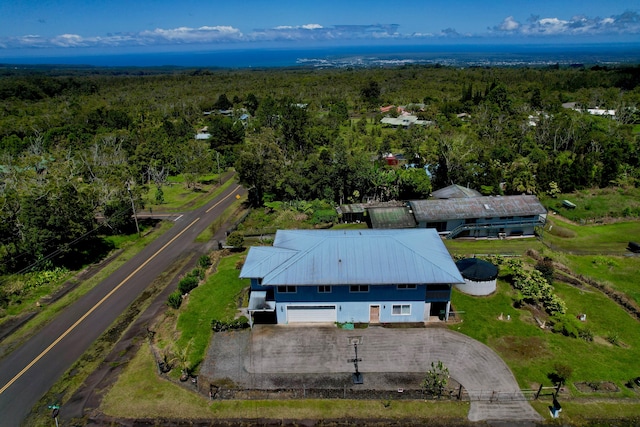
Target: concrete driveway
(271,356)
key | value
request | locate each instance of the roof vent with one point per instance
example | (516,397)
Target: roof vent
(487,207)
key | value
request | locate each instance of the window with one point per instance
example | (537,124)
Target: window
(408,286)
(286,289)
(359,288)
(401,309)
(324,289)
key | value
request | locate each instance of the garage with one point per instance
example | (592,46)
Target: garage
(311,314)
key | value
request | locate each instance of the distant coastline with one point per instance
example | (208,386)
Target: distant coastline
(356,56)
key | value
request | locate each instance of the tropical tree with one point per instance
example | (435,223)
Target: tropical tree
(436,379)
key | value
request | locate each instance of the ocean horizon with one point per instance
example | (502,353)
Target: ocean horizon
(355,56)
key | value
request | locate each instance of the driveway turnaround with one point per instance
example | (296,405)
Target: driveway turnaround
(277,356)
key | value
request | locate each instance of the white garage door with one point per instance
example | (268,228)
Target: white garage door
(319,313)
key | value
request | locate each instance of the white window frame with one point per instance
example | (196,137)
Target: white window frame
(288,289)
(324,289)
(402,310)
(407,286)
(360,289)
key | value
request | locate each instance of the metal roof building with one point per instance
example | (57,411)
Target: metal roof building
(368,275)
(477,207)
(344,257)
(486,216)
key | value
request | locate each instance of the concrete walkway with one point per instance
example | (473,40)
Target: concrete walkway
(253,359)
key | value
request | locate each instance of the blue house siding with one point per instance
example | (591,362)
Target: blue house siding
(359,312)
(356,306)
(344,294)
(364,276)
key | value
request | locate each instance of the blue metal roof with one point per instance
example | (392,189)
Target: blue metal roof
(264,259)
(346,257)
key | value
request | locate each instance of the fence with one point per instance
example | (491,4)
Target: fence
(347,392)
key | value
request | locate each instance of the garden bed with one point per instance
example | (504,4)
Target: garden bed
(597,387)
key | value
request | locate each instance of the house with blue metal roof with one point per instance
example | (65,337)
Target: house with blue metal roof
(357,276)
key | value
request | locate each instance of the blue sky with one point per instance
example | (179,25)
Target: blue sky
(75,25)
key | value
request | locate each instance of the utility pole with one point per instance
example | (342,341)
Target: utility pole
(133,207)
(218,160)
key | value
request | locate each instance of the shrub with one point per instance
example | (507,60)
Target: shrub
(561,373)
(174,300)
(235,239)
(566,326)
(586,334)
(198,273)
(204,261)
(187,284)
(613,338)
(324,216)
(545,267)
(221,326)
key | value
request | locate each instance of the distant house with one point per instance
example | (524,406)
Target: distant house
(597,111)
(203,136)
(404,121)
(359,276)
(486,216)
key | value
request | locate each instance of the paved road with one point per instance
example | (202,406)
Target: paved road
(272,357)
(32,369)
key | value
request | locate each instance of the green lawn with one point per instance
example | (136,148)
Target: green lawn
(610,238)
(532,352)
(214,299)
(594,205)
(618,272)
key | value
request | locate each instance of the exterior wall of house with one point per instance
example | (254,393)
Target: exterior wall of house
(360,312)
(353,306)
(345,294)
(526,226)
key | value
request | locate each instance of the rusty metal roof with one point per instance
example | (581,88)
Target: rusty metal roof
(476,207)
(391,217)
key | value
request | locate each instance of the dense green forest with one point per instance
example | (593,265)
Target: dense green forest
(76,144)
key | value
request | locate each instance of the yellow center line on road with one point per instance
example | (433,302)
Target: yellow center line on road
(88,313)
(228,195)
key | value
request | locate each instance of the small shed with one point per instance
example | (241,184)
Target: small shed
(353,213)
(390,217)
(479,276)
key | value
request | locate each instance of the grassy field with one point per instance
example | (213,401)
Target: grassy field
(532,353)
(597,205)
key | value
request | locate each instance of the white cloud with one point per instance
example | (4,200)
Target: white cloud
(192,35)
(627,23)
(509,24)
